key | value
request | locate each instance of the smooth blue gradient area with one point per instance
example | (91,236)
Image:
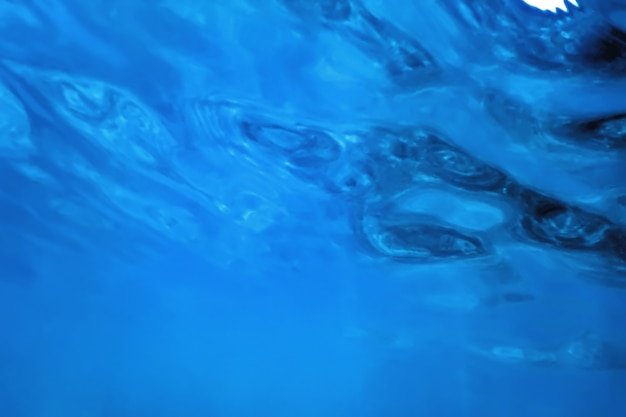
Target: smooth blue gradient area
(337,208)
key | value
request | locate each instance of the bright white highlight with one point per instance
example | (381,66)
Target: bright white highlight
(551,5)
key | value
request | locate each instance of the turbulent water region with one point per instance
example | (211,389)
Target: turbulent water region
(313,208)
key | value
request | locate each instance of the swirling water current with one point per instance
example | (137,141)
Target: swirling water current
(314,208)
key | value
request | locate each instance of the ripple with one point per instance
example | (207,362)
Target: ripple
(304,147)
(461,169)
(268,143)
(406,62)
(109,117)
(605,133)
(185,129)
(353,178)
(410,240)
(461,211)
(520,36)
(551,221)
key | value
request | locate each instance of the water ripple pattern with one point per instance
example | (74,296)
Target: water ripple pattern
(240,199)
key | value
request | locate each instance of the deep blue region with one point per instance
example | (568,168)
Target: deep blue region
(338,208)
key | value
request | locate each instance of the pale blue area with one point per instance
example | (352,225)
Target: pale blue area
(312,208)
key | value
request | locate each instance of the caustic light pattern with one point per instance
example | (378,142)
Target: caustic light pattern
(479,141)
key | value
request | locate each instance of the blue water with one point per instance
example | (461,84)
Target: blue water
(337,208)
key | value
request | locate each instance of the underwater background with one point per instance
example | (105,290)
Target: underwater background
(338,208)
